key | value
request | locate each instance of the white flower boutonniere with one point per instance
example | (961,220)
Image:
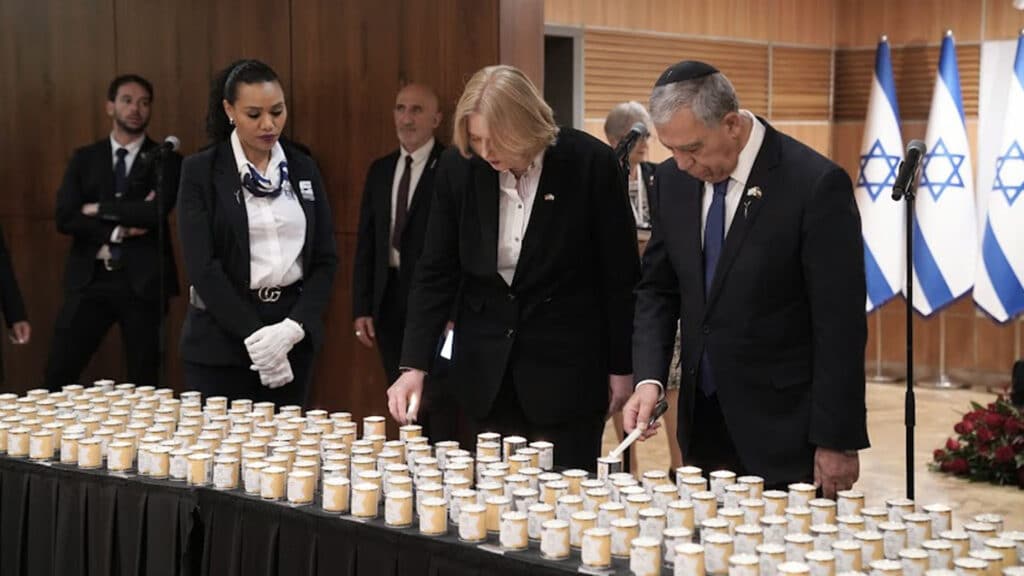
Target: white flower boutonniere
(753,194)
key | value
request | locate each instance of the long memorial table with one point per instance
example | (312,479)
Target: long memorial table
(62,520)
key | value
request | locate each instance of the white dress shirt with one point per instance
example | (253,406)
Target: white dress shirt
(419,162)
(515,204)
(738,178)
(737,185)
(277,226)
(638,199)
(133,147)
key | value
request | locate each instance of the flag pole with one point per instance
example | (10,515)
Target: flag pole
(880,376)
(943,381)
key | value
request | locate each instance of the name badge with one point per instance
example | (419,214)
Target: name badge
(306,189)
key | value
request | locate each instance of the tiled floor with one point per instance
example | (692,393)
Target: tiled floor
(883,465)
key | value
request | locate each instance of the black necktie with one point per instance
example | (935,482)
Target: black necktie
(402,204)
(121,174)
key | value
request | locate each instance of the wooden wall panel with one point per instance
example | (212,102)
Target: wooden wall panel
(859,23)
(817,135)
(807,22)
(1002,20)
(914,70)
(620,66)
(522,37)
(801,85)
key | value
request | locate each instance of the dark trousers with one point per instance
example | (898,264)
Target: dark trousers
(236,382)
(390,325)
(711,447)
(438,413)
(85,318)
(577,441)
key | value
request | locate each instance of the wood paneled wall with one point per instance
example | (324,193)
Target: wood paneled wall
(778,53)
(341,64)
(806,65)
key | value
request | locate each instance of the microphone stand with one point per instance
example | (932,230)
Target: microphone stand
(909,403)
(158,165)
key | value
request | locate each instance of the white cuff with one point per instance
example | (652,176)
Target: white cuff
(117,235)
(661,388)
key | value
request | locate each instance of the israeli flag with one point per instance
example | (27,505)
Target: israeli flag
(945,222)
(882,220)
(999,287)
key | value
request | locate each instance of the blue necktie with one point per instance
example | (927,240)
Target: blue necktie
(714,237)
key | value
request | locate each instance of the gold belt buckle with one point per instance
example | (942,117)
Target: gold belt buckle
(269,293)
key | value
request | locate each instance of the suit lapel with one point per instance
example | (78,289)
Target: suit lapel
(384,191)
(485,193)
(748,208)
(228,188)
(106,190)
(425,184)
(137,167)
(296,175)
(551,186)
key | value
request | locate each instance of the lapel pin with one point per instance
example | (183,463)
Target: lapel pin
(752,194)
(549,197)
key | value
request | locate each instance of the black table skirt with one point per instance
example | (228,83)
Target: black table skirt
(57,520)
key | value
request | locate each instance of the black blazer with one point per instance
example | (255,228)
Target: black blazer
(564,324)
(90,178)
(214,231)
(10,296)
(370,267)
(784,324)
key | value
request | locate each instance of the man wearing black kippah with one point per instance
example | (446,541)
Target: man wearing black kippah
(756,249)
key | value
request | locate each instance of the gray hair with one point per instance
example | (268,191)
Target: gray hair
(622,117)
(710,98)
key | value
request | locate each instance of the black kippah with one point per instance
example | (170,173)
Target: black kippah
(685,70)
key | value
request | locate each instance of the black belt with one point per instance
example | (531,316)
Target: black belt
(263,295)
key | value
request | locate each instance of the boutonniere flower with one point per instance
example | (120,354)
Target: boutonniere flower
(753,193)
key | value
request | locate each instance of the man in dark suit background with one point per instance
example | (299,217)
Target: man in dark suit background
(756,247)
(392,222)
(108,204)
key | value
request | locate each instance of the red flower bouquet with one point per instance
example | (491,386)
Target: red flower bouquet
(989,445)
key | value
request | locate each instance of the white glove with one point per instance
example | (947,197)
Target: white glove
(277,376)
(271,344)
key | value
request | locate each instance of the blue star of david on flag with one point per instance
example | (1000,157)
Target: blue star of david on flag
(1008,181)
(880,164)
(934,177)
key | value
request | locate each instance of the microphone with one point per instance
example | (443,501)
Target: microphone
(908,169)
(170,144)
(628,142)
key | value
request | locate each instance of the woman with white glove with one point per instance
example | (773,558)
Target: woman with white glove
(258,246)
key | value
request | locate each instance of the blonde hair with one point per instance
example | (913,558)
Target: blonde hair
(520,121)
